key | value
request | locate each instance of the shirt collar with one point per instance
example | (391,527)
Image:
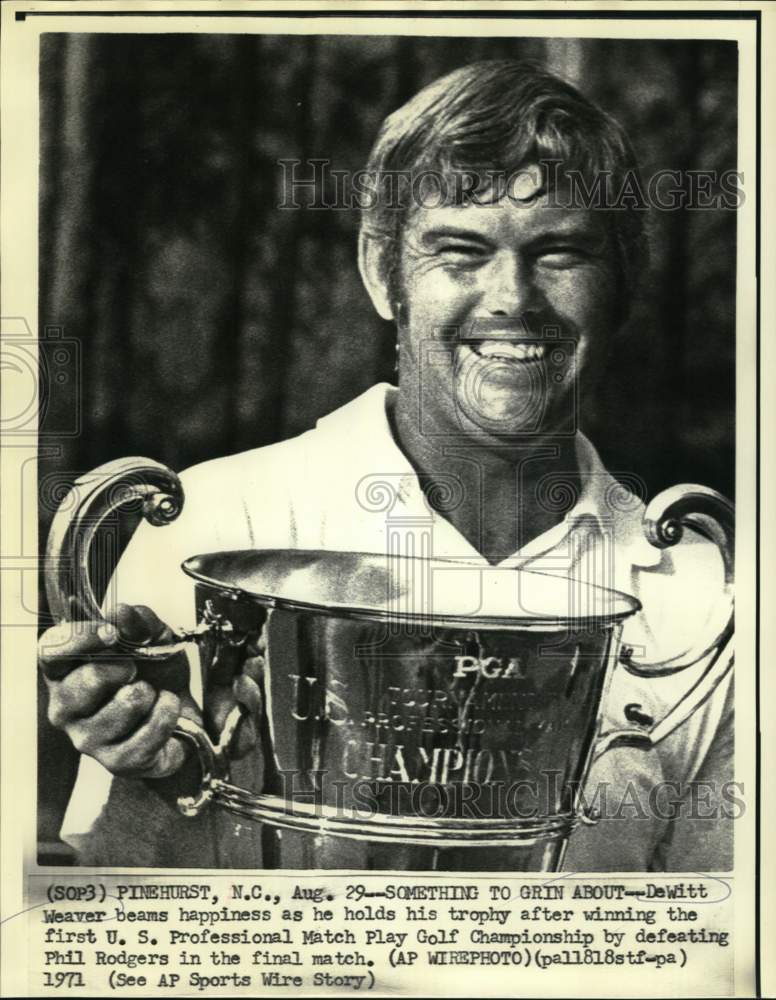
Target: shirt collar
(602,499)
(614,506)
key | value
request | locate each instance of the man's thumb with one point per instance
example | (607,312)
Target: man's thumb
(138,624)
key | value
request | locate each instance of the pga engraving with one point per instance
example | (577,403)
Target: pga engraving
(489,666)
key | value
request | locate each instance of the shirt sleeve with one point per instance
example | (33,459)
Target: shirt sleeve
(700,835)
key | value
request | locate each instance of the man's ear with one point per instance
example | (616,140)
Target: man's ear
(373,265)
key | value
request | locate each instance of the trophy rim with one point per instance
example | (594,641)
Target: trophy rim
(196,567)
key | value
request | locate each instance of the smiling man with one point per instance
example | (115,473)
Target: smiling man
(506,282)
(506,288)
(483,293)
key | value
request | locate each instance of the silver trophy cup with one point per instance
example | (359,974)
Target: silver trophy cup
(418,714)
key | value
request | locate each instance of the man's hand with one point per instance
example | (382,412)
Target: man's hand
(119,710)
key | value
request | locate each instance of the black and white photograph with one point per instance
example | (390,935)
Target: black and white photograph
(384,550)
(388,504)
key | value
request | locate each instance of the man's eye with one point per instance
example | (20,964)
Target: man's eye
(562,256)
(461,253)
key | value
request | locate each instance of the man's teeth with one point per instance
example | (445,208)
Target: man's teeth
(510,351)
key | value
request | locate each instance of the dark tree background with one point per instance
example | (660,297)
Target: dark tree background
(211,321)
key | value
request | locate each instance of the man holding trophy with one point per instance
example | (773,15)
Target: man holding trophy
(506,279)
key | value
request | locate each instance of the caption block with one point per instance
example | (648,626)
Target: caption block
(225,934)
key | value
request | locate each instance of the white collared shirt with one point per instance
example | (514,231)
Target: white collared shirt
(344,485)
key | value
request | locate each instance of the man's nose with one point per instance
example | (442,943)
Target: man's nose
(510,288)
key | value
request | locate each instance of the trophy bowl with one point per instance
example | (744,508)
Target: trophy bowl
(426,711)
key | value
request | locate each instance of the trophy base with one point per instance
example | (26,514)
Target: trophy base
(294,849)
(302,835)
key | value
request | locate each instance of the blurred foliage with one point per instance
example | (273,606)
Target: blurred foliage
(212,321)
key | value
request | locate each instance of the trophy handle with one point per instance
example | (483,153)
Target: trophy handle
(711,515)
(92,499)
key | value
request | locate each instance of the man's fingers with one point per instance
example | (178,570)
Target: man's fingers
(169,759)
(221,701)
(138,624)
(62,648)
(86,689)
(147,751)
(189,708)
(254,667)
(116,721)
(116,705)
(248,693)
(170,673)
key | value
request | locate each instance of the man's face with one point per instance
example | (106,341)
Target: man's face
(504,307)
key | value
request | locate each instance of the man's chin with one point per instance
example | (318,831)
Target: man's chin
(501,415)
(507,397)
